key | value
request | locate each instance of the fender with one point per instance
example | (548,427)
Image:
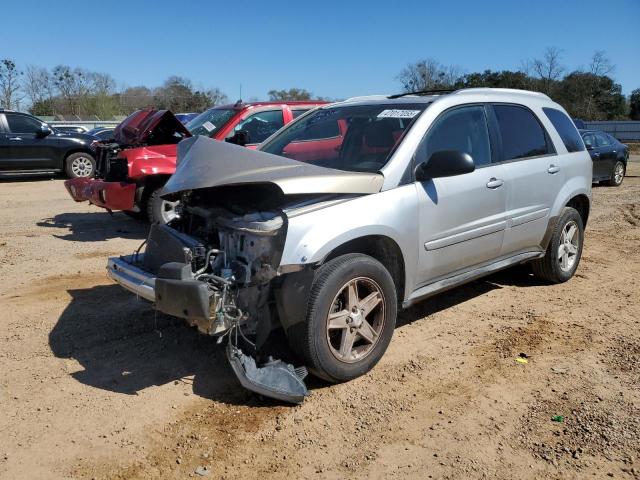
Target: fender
(312,236)
(573,187)
(152,160)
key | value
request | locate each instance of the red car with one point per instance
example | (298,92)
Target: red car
(131,171)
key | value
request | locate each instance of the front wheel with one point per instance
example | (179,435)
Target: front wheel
(80,164)
(617,174)
(564,250)
(160,210)
(351,316)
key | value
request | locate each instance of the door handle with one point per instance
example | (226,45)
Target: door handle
(494,182)
(596,154)
(15,139)
(553,169)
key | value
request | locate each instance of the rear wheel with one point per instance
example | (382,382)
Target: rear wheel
(160,210)
(617,174)
(351,316)
(80,164)
(564,250)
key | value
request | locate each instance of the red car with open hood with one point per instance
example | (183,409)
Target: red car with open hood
(132,170)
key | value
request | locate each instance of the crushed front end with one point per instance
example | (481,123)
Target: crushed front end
(215,267)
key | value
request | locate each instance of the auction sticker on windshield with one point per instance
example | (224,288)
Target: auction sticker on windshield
(209,126)
(398,113)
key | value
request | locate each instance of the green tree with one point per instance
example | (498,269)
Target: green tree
(634,105)
(292,94)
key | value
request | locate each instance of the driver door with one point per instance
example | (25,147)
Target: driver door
(462,219)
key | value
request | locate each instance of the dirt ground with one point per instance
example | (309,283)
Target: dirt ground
(93,384)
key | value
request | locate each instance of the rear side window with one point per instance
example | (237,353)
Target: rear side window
(320,131)
(296,113)
(463,129)
(521,132)
(566,129)
(22,124)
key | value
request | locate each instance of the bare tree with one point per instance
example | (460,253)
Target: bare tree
(35,84)
(548,68)
(9,84)
(428,74)
(600,65)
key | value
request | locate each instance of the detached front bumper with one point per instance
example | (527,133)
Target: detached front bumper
(109,195)
(134,279)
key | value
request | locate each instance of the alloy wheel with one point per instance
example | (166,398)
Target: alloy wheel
(618,173)
(355,320)
(82,167)
(569,244)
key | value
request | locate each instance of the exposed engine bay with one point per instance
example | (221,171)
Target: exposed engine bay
(215,265)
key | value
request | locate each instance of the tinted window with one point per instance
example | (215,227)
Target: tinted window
(22,124)
(296,113)
(261,125)
(566,129)
(522,135)
(612,139)
(320,130)
(602,140)
(464,129)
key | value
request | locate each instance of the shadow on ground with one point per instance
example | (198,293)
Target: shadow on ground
(124,346)
(519,276)
(96,226)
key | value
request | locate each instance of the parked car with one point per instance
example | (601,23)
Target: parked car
(354,210)
(186,117)
(609,157)
(28,145)
(101,133)
(71,128)
(132,169)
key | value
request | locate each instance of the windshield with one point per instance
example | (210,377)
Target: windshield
(356,138)
(209,122)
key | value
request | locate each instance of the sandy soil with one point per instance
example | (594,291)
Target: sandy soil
(93,384)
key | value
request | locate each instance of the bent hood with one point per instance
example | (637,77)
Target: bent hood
(206,163)
(151,127)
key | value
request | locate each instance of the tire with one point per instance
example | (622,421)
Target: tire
(80,164)
(343,353)
(617,174)
(159,210)
(555,266)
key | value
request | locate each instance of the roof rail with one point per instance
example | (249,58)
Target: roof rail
(509,91)
(366,97)
(437,91)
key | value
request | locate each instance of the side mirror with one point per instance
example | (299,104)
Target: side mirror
(589,146)
(44,130)
(445,163)
(241,137)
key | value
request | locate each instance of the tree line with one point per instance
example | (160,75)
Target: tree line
(68,91)
(588,93)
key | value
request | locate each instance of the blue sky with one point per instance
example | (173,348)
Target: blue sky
(332,48)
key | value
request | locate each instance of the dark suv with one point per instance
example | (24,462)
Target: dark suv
(28,145)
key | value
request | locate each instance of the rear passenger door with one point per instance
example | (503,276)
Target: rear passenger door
(532,174)
(461,218)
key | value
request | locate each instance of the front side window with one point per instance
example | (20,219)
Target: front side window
(261,125)
(463,129)
(521,132)
(208,123)
(602,140)
(22,124)
(566,129)
(356,138)
(589,140)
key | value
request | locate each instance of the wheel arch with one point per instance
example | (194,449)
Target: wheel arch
(582,204)
(71,151)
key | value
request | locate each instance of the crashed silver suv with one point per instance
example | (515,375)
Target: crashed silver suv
(354,210)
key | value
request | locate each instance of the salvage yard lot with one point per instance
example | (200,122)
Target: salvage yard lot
(94,384)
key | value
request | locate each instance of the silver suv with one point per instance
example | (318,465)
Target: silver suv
(354,210)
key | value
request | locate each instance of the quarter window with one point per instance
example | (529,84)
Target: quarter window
(464,129)
(521,132)
(566,129)
(261,125)
(22,124)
